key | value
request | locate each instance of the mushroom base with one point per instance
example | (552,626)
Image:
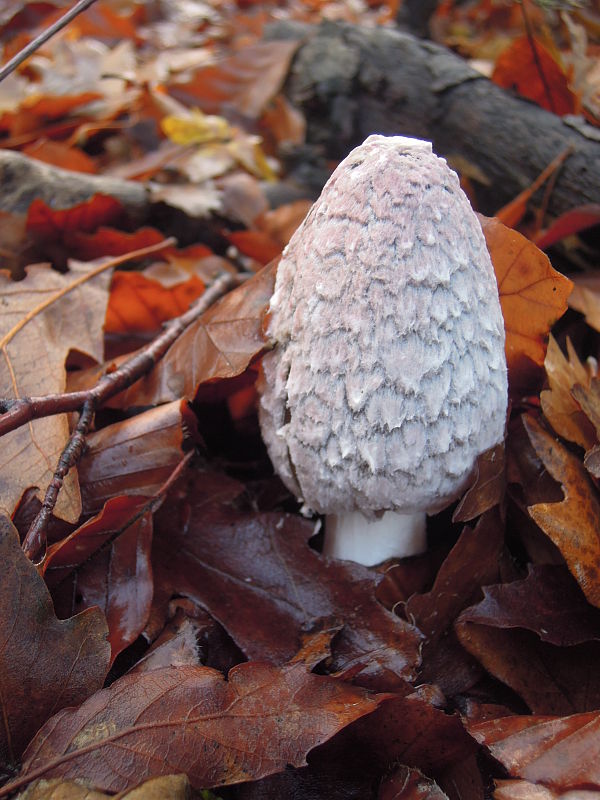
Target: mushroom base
(353,537)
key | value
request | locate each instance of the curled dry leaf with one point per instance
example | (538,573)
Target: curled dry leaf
(38,327)
(558,752)
(45,663)
(574,524)
(532,295)
(558,404)
(190,719)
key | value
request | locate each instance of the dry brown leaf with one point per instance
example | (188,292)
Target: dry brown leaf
(532,295)
(42,320)
(45,663)
(558,404)
(167,787)
(190,719)
(574,524)
(559,752)
(585,298)
(135,456)
(524,790)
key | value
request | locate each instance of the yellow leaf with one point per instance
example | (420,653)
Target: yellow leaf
(196,128)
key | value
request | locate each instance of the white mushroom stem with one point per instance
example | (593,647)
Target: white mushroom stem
(353,537)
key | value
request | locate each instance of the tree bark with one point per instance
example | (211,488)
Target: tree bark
(352,81)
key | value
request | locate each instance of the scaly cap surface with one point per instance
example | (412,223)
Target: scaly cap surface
(388,377)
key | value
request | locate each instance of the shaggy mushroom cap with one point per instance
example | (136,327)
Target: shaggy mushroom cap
(388,376)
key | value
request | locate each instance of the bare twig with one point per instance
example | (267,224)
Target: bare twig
(108,386)
(43,37)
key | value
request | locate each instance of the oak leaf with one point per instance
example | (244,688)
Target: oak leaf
(574,524)
(256,575)
(189,719)
(41,322)
(45,663)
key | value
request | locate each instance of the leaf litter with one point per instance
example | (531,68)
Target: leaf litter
(490,637)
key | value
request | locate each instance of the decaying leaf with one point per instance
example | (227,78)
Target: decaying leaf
(558,752)
(409,784)
(45,663)
(532,295)
(206,550)
(574,524)
(190,719)
(41,322)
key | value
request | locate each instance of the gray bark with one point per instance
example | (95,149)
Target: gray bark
(352,81)
(24,179)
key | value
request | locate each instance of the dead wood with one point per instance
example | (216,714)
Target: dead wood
(351,81)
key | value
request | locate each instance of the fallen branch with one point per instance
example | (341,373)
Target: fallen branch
(351,81)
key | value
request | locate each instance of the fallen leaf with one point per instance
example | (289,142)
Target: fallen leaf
(221,344)
(549,679)
(189,719)
(527,66)
(558,752)
(245,81)
(573,221)
(585,298)
(135,456)
(60,155)
(548,602)
(168,787)
(257,576)
(488,486)
(409,784)
(37,330)
(118,580)
(45,663)
(532,295)
(524,790)
(138,303)
(560,407)
(574,524)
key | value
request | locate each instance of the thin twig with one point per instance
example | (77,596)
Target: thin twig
(108,386)
(43,37)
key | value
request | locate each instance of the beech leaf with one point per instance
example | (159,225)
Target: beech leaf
(45,663)
(190,719)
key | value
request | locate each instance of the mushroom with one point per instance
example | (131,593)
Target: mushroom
(388,375)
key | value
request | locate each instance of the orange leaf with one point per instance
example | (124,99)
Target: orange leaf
(51,225)
(60,155)
(109,242)
(256,244)
(532,295)
(138,303)
(573,524)
(536,75)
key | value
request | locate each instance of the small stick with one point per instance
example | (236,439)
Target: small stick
(43,37)
(108,386)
